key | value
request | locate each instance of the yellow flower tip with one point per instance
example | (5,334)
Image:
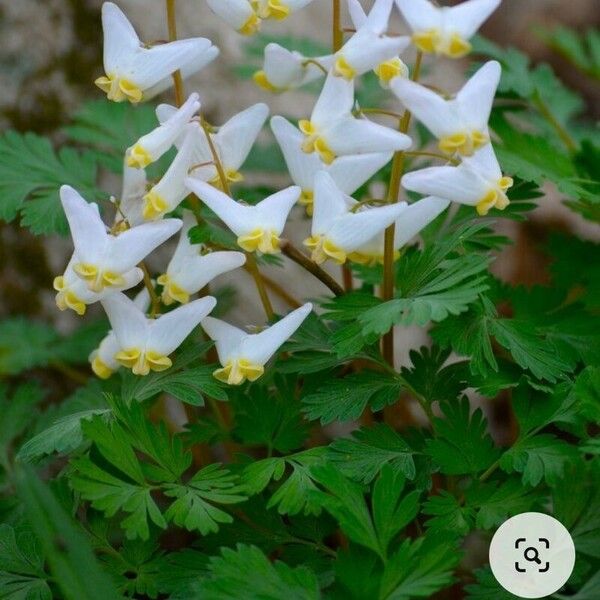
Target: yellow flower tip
(154,206)
(342,68)
(479,139)
(278,10)
(158,362)
(457,47)
(426,41)
(100,368)
(139,157)
(58,283)
(235,372)
(388,70)
(370,260)
(86,271)
(142,364)
(324,151)
(324,249)
(266,242)
(491,199)
(112,279)
(172,292)
(119,90)
(505,183)
(306,127)
(251,26)
(307,200)
(261,80)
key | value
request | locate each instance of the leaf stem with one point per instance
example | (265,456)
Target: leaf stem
(312,267)
(392,197)
(155,300)
(337,34)
(252,268)
(545,111)
(172,27)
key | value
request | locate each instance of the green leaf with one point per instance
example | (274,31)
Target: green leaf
(462,443)
(537,458)
(487,587)
(70,558)
(346,399)
(24,345)
(194,505)
(419,568)
(579,48)
(362,455)
(32,171)
(22,574)
(246,569)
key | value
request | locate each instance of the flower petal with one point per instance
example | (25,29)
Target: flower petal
(120,38)
(128,322)
(260,347)
(228,338)
(335,101)
(168,331)
(239,218)
(273,211)
(330,203)
(204,268)
(350,172)
(438,115)
(87,229)
(357,13)
(236,137)
(474,101)
(234,12)
(416,217)
(484,162)
(379,16)
(420,14)
(467,17)
(361,136)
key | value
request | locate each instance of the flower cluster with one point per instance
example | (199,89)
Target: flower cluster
(329,155)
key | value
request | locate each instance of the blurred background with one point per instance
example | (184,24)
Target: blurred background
(51,52)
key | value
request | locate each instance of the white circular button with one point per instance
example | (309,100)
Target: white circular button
(532,555)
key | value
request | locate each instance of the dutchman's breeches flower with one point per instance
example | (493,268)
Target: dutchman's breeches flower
(348,172)
(190,269)
(145,344)
(445,30)
(258,228)
(150,147)
(103,261)
(333,130)
(460,124)
(336,231)
(242,355)
(135,72)
(477,181)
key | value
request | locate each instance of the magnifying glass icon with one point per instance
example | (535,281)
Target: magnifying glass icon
(532,555)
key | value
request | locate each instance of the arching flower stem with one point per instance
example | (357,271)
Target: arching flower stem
(172,26)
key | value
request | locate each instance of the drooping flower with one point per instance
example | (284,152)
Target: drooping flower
(145,344)
(190,269)
(243,355)
(170,191)
(445,30)
(348,172)
(136,72)
(413,218)
(337,231)
(369,48)
(150,147)
(333,130)
(286,69)
(258,228)
(102,261)
(477,181)
(460,124)
(246,16)
(102,359)
(232,142)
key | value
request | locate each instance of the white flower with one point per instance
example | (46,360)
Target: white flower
(477,181)
(232,141)
(369,48)
(150,147)
(460,124)
(135,72)
(101,261)
(413,218)
(170,191)
(244,355)
(285,69)
(445,30)
(145,344)
(246,16)
(102,359)
(333,131)
(131,202)
(337,231)
(190,270)
(258,228)
(348,172)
